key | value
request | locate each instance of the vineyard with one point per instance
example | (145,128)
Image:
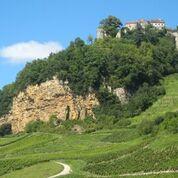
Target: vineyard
(109,153)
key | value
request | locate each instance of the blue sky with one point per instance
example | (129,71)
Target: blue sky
(43,25)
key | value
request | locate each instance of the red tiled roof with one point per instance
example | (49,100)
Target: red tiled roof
(131,23)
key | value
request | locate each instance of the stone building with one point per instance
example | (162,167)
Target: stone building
(157,23)
(131,25)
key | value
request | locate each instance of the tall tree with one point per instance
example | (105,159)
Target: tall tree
(111,25)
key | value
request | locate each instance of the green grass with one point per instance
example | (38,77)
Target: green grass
(11,139)
(167,103)
(122,135)
(32,140)
(41,170)
(90,154)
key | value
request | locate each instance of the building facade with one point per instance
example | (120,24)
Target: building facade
(158,24)
(131,25)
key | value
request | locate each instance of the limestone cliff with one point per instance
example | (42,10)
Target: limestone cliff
(42,101)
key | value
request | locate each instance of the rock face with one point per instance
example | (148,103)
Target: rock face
(176,39)
(175,34)
(122,94)
(49,98)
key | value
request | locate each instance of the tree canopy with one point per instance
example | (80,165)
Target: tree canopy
(111,25)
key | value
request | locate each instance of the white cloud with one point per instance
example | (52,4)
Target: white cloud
(27,51)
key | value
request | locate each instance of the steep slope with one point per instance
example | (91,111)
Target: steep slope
(167,103)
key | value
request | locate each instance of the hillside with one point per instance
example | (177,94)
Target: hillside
(108,153)
(101,70)
(167,103)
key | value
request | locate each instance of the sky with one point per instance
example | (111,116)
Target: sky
(31,29)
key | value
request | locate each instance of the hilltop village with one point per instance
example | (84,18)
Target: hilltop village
(158,24)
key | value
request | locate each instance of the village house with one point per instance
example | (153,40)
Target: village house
(131,25)
(158,23)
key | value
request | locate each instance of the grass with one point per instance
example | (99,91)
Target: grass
(89,154)
(41,170)
(11,139)
(122,135)
(167,103)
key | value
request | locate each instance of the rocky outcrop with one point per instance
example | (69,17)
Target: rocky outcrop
(49,98)
(174,33)
(122,94)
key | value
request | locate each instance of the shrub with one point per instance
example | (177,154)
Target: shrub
(105,122)
(123,123)
(145,127)
(143,98)
(53,121)
(5,129)
(170,123)
(159,120)
(34,126)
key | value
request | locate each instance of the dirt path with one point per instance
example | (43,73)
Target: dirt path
(149,173)
(137,174)
(67,170)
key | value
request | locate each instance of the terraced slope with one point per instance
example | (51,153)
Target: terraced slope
(168,103)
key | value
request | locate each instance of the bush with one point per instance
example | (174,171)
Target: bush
(159,120)
(109,104)
(143,98)
(145,127)
(34,126)
(123,123)
(170,122)
(5,129)
(105,122)
(53,121)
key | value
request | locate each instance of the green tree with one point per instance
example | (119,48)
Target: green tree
(90,39)
(111,25)
(145,127)
(5,129)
